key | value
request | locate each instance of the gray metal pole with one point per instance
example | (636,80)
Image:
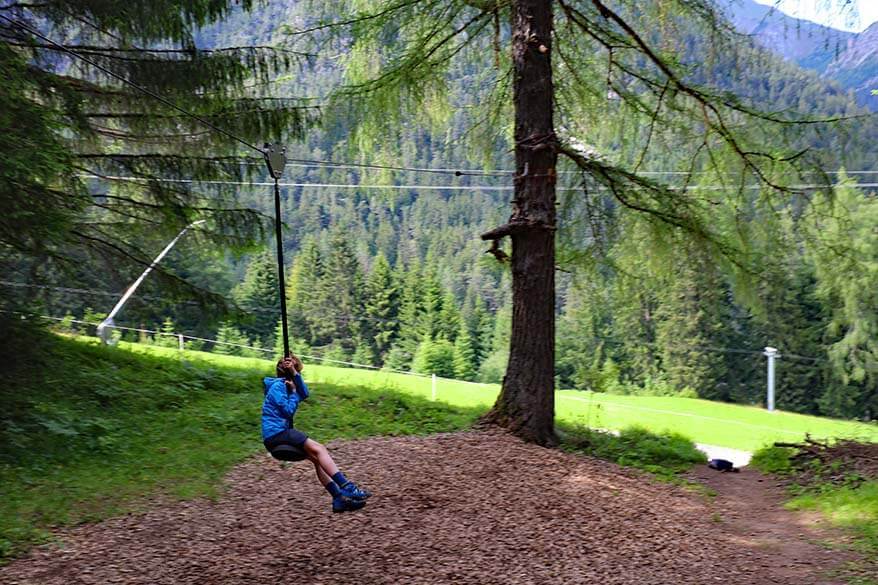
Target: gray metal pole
(107,324)
(771,353)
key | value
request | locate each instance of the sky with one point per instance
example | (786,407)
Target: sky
(827,12)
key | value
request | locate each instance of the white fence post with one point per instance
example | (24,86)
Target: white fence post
(180,341)
(771,353)
(434,388)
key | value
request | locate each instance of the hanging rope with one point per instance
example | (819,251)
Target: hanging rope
(275,158)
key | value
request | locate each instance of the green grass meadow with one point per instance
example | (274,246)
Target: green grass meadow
(853,508)
(728,425)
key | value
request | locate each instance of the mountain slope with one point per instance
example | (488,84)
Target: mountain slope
(806,43)
(856,68)
(850,59)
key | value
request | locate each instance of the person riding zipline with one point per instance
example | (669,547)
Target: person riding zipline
(282,397)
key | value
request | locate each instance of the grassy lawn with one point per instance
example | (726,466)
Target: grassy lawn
(852,508)
(703,421)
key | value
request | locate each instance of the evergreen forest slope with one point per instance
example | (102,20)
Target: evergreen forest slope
(387,268)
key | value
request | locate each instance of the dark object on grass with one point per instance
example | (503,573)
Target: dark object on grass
(722,465)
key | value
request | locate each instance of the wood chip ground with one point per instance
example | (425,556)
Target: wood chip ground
(473,507)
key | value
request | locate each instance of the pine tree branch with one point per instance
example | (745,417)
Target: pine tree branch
(215,116)
(111,52)
(421,60)
(25,5)
(357,20)
(163,156)
(118,211)
(203,296)
(145,138)
(714,119)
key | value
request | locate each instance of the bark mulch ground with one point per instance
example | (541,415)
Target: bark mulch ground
(473,507)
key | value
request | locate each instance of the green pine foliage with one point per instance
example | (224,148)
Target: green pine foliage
(169,335)
(429,323)
(844,247)
(481,329)
(257,294)
(465,366)
(229,334)
(410,317)
(363,353)
(304,287)
(450,319)
(297,346)
(435,357)
(341,292)
(690,325)
(68,127)
(381,306)
(582,333)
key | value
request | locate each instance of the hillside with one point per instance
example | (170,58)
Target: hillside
(806,43)
(856,66)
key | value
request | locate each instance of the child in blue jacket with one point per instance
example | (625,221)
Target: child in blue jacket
(282,397)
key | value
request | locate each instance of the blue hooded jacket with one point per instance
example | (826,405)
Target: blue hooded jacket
(280,406)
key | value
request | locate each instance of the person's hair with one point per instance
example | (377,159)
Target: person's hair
(286,369)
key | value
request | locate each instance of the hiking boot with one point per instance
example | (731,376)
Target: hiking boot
(350,490)
(346,504)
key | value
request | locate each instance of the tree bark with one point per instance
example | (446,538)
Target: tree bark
(526,405)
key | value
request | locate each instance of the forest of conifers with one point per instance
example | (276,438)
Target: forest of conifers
(397,276)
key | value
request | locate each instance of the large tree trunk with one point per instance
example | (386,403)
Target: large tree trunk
(526,404)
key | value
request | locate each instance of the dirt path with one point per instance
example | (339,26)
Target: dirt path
(471,507)
(749,507)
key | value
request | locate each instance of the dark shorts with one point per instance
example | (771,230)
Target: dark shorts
(287,445)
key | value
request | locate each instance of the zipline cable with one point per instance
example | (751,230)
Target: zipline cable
(133,179)
(316,164)
(415,187)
